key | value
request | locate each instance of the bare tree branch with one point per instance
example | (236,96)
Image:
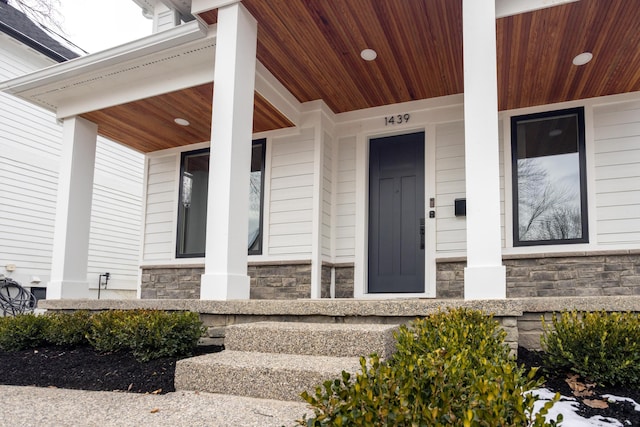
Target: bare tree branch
(44,12)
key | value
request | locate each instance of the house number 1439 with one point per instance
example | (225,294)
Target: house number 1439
(397,119)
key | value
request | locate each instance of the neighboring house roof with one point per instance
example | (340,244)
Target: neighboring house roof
(17,25)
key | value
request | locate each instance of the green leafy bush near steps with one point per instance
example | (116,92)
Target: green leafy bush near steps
(22,331)
(600,346)
(67,329)
(450,369)
(148,334)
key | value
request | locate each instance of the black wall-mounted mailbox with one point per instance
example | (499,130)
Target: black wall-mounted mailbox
(460,207)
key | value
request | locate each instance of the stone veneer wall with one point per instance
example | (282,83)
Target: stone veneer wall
(343,280)
(603,273)
(280,280)
(171,282)
(268,281)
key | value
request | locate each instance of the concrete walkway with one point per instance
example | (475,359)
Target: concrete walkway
(35,406)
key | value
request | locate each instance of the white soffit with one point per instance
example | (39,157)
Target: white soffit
(110,64)
(516,7)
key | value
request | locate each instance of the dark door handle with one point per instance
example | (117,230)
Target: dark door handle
(421,233)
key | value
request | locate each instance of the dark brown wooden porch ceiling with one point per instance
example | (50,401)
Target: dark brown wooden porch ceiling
(313,48)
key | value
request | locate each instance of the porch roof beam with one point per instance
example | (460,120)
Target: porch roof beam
(515,7)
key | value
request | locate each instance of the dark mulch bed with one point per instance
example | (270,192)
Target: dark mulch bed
(622,411)
(83,368)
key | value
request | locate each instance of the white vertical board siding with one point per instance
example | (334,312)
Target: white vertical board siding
(116,216)
(617,169)
(291,188)
(30,146)
(327,186)
(451,231)
(161,208)
(346,200)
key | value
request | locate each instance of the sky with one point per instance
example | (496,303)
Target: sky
(96,25)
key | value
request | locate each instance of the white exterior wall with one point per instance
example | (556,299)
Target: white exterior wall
(287,221)
(617,170)
(613,159)
(327,196)
(161,208)
(345,239)
(30,144)
(291,195)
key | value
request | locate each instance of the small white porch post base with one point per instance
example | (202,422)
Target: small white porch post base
(224,286)
(225,268)
(484,282)
(73,210)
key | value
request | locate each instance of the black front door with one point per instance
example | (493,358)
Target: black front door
(396,214)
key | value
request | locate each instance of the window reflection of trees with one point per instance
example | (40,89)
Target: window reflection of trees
(547,209)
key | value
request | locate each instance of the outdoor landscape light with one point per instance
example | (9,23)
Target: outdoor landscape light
(368,54)
(583,58)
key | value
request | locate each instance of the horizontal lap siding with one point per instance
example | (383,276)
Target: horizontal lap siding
(451,231)
(291,195)
(617,170)
(30,149)
(161,209)
(116,215)
(346,200)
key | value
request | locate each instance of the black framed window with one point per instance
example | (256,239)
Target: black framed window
(549,178)
(192,206)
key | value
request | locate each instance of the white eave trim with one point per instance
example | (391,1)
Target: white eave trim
(515,7)
(145,46)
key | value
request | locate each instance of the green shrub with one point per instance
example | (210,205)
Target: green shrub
(22,331)
(157,334)
(148,334)
(108,330)
(450,369)
(602,347)
(67,329)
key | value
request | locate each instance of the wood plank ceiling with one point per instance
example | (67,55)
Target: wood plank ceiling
(313,47)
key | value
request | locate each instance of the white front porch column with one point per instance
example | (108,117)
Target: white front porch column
(225,272)
(73,210)
(484,276)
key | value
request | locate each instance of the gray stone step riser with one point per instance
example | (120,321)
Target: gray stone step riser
(262,375)
(312,339)
(259,383)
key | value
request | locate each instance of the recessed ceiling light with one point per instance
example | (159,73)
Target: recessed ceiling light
(181,122)
(368,54)
(583,58)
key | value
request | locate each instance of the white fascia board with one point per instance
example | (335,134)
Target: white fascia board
(199,6)
(273,91)
(145,46)
(109,96)
(515,7)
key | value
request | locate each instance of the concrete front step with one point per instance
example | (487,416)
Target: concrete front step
(261,375)
(317,339)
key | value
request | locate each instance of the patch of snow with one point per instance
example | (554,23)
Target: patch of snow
(613,398)
(568,407)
